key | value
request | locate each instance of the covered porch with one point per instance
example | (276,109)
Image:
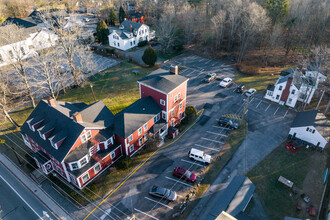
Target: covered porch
(43,161)
(159,130)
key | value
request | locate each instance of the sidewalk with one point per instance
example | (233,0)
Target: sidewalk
(35,189)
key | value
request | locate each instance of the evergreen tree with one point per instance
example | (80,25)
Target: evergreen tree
(277,9)
(149,56)
(102,32)
(122,15)
(112,17)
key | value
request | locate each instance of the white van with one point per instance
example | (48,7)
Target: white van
(199,155)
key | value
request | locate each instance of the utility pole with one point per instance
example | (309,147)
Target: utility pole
(92,92)
(317,107)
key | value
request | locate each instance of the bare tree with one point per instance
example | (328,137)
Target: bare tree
(218,22)
(235,11)
(273,40)
(14,36)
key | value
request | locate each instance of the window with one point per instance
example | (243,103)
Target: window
(180,106)
(113,155)
(164,115)
(118,45)
(140,141)
(140,131)
(280,88)
(109,141)
(85,137)
(134,42)
(85,178)
(130,138)
(307,129)
(97,168)
(278,96)
(145,137)
(172,122)
(155,119)
(113,36)
(145,126)
(172,112)
(23,51)
(114,43)
(131,148)
(11,54)
(175,98)
(162,102)
(289,101)
(313,131)
(131,43)
(83,162)
(180,115)
(270,93)
(74,166)
(293,91)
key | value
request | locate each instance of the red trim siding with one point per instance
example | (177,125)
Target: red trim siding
(157,96)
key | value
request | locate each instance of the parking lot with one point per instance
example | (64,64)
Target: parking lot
(265,121)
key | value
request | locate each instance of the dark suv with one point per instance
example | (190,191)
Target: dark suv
(240,89)
(210,77)
(227,122)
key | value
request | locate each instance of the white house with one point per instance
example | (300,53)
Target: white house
(292,86)
(129,34)
(29,39)
(312,127)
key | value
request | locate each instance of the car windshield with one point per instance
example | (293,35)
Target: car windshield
(188,174)
(225,80)
(167,193)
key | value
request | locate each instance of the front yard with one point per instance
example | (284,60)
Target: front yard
(304,168)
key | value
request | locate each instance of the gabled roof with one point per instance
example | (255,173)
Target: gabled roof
(127,25)
(135,14)
(134,116)
(163,80)
(21,22)
(59,117)
(270,87)
(23,33)
(54,14)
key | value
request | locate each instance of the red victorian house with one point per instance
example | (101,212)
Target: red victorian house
(80,141)
(137,17)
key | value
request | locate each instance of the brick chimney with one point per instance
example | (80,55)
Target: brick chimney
(174,69)
(77,117)
(51,101)
(131,28)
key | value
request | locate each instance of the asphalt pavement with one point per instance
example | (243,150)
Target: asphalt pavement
(17,202)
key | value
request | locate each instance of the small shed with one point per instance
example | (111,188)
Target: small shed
(173,132)
(285,181)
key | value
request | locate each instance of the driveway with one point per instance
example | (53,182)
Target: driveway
(137,53)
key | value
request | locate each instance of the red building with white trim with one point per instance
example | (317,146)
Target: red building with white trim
(80,141)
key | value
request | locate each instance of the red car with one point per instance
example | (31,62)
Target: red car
(294,145)
(185,174)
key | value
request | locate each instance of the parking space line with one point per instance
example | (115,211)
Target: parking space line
(191,162)
(251,100)
(208,61)
(276,110)
(212,140)
(267,107)
(216,133)
(285,113)
(160,203)
(198,145)
(177,181)
(259,104)
(220,127)
(146,214)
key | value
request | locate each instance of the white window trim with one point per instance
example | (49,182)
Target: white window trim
(141,141)
(70,164)
(82,177)
(85,135)
(140,131)
(162,102)
(130,148)
(145,126)
(85,157)
(98,164)
(180,105)
(130,138)
(113,152)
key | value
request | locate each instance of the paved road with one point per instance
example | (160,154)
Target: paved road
(17,202)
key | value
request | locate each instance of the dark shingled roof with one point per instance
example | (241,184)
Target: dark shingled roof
(127,25)
(163,80)
(270,87)
(287,72)
(21,22)
(134,116)
(59,117)
(135,14)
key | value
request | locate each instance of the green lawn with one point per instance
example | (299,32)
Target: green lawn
(211,172)
(275,196)
(116,87)
(169,56)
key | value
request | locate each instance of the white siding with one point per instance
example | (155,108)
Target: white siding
(308,136)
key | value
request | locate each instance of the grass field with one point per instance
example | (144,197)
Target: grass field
(304,169)
(211,172)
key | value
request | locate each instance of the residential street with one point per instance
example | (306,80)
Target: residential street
(17,202)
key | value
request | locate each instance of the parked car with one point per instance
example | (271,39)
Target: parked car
(210,77)
(294,145)
(163,193)
(184,174)
(250,92)
(226,82)
(199,155)
(86,19)
(227,122)
(240,89)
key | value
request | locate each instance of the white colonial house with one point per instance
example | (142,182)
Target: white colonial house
(292,86)
(25,43)
(129,34)
(312,127)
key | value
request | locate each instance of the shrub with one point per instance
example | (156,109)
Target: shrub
(149,56)
(102,32)
(142,43)
(190,113)
(152,144)
(124,163)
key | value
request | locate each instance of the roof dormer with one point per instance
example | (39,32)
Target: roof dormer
(46,130)
(34,123)
(58,138)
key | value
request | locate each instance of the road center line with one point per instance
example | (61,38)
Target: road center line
(285,113)
(212,140)
(259,104)
(159,202)
(276,110)
(177,181)
(198,145)
(267,107)
(20,197)
(146,214)
(216,133)
(191,162)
